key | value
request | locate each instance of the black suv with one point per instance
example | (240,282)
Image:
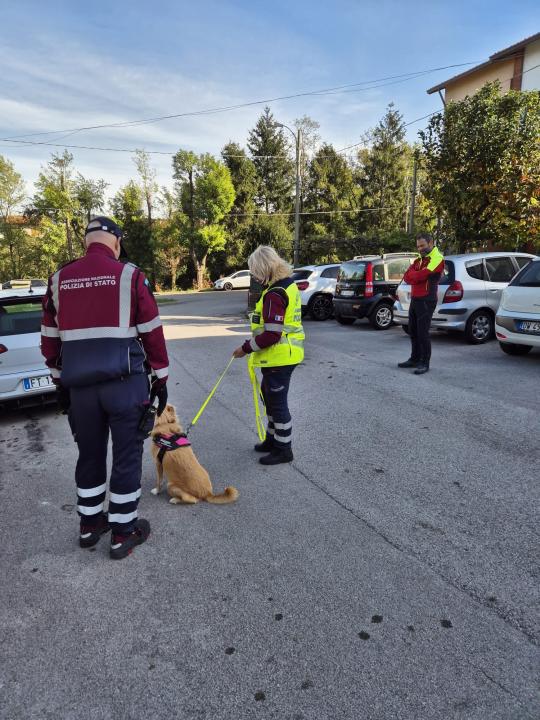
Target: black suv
(366,287)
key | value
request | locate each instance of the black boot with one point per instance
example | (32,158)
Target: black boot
(90,534)
(122,545)
(267,445)
(408,363)
(421,369)
(277,457)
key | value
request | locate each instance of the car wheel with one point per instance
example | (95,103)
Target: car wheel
(479,328)
(227,286)
(512,349)
(321,307)
(382,317)
(405,329)
(343,320)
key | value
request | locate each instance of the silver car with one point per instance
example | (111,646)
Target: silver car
(469,293)
(23,373)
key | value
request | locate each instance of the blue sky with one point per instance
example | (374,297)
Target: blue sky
(67,65)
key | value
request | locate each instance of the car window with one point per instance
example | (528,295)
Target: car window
(20,318)
(243,273)
(330,272)
(449,273)
(522,261)
(398,268)
(529,276)
(476,269)
(500,269)
(378,272)
(301,274)
(352,271)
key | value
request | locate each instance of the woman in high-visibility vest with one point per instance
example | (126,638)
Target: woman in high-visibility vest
(276,347)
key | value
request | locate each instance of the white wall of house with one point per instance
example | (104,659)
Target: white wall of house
(531,79)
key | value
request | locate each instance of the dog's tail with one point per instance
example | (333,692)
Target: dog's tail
(229,495)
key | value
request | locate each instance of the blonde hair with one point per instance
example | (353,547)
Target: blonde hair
(266,265)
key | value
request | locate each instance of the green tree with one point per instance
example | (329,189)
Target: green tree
(56,198)
(149,188)
(270,153)
(171,254)
(330,188)
(240,219)
(382,175)
(90,195)
(482,157)
(206,194)
(12,194)
(127,210)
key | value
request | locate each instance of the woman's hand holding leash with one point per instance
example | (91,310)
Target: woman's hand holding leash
(238,353)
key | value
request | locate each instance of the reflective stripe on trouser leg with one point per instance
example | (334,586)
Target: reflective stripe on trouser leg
(270,419)
(276,388)
(92,432)
(122,400)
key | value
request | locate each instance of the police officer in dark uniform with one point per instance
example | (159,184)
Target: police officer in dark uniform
(101,335)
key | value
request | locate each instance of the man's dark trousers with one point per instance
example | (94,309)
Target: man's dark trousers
(114,406)
(420,313)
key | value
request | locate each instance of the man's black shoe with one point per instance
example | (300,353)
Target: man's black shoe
(421,369)
(122,545)
(408,363)
(267,445)
(90,534)
(277,456)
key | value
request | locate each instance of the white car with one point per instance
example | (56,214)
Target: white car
(235,281)
(23,373)
(317,285)
(517,323)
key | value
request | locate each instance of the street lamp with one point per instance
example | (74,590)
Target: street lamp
(297,139)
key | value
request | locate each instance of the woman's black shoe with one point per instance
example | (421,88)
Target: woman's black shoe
(267,445)
(277,456)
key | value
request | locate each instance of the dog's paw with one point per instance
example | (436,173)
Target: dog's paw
(154,491)
(174,501)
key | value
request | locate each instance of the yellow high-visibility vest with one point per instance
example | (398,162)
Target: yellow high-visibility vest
(290,348)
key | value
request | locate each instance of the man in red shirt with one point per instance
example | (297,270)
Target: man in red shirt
(101,335)
(423,276)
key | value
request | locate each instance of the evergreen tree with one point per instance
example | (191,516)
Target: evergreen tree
(329,188)
(382,174)
(240,218)
(270,153)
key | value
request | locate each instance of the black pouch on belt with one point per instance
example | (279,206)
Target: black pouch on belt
(146,423)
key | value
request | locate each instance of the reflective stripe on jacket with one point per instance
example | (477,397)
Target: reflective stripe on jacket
(289,350)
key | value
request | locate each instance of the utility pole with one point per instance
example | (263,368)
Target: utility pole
(413,194)
(298,143)
(296,252)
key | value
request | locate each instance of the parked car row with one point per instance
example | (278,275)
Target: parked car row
(480,295)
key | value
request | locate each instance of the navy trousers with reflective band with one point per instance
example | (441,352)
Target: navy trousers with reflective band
(275,390)
(420,314)
(114,406)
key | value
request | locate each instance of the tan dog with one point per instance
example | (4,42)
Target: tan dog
(187,480)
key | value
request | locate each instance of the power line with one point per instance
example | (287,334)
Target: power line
(405,77)
(18,143)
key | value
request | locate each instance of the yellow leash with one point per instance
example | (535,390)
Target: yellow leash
(259,421)
(210,396)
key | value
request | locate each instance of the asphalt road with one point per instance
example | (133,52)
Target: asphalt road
(391,572)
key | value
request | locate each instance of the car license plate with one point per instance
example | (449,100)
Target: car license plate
(529,326)
(35,383)
(347,293)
